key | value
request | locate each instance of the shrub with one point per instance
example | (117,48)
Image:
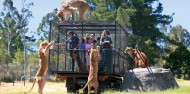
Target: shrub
(7,79)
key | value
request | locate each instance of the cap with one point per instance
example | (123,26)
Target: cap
(70,32)
(107,32)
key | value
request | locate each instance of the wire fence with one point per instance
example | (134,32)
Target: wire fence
(12,72)
(60,58)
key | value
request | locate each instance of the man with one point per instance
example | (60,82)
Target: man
(73,42)
(93,41)
(105,40)
(106,45)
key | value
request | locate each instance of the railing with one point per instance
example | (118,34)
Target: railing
(117,59)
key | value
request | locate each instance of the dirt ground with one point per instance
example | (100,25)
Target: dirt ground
(183,83)
(19,88)
(50,87)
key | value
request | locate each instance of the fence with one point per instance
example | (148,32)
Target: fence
(12,72)
(60,57)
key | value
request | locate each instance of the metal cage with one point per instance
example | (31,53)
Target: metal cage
(59,55)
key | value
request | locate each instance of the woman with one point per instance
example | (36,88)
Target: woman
(82,52)
(88,46)
(106,45)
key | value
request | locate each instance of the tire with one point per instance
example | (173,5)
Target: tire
(85,91)
(101,87)
(71,90)
(70,84)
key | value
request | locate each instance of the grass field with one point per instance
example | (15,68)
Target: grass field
(19,88)
(59,88)
(184,89)
(181,90)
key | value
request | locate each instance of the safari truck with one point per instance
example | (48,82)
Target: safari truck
(112,66)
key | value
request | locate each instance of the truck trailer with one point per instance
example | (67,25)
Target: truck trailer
(112,66)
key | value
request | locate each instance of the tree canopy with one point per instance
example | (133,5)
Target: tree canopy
(13,25)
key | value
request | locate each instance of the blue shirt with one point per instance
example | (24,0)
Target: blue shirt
(82,45)
(73,42)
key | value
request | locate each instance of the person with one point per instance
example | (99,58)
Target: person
(82,44)
(106,45)
(105,40)
(93,41)
(82,51)
(100,64)
(73,43)
(88,46)
(98,41)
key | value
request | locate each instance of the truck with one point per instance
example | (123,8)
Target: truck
(109,77)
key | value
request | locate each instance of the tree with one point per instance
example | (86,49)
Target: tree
(13,26)
(147,18)
(178,61)
(177,58)
(43,29)
(180,34)
(18,57)
(102,9)
(4,57)
(124,14)
(145,23)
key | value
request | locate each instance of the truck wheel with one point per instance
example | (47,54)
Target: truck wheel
(71,90)
(70,84)
(101,87)
(85,91)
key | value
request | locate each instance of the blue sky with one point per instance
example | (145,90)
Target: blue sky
(39,10)
(181,10)
(42,7)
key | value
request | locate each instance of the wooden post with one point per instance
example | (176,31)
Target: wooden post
(0,81)
(4,72)
(24,80)
(13,82)
(30,73)
(13,79)
(17,73)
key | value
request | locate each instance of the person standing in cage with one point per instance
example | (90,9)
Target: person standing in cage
(88,46)
(98,41)
(93,40)
(73,44)
(82,51)
(100,64)
(106,45)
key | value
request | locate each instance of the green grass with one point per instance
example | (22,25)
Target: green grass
(59,88)
(181,90)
